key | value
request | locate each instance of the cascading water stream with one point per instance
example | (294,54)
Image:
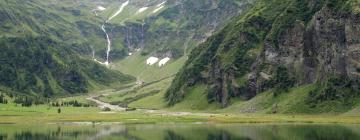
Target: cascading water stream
(108,45)
(103,28)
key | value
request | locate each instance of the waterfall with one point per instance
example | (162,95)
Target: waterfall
(103,28)
(108,45)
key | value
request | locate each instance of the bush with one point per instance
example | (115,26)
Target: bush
(281,82)
(2,99)
(335,88)
(24,101)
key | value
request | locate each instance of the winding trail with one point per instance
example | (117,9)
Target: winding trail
(117,108)
(103,104)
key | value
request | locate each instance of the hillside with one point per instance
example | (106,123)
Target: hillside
(274,50)
(41,52)
(166,28)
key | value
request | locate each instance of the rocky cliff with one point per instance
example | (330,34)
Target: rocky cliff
(278,45)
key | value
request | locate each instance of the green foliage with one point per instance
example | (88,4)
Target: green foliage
(41,42)
(3,100)
(297,10)
(73,103)
(282,81)
(41,65)
(336,88)
(25,101)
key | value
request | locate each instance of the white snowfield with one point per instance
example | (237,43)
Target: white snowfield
(119,11)
(164,61)
(161,4)
(158,9)
(100,8)
(142,10)
(152,60)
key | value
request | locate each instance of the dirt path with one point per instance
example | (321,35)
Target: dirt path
(104,105)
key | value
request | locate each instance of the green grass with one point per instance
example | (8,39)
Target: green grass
(43,114)
(266,102)
(156,101)
(135,65)
(196,100)
(138,94)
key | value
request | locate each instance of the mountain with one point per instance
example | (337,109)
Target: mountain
(280,56)
(41,51)
(166,28)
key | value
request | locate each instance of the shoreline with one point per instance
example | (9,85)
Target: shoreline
(149,118)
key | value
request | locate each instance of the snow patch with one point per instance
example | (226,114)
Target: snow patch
(164,61)
(152,60)
(161,4)
(119,11)
(100,8)
(102,63)
(158,9)
(142,10)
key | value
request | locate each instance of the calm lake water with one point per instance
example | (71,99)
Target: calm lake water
(181,132)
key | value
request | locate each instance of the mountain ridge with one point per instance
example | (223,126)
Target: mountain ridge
(272,48)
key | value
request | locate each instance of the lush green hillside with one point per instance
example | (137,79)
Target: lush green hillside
(276,48)
(40,51)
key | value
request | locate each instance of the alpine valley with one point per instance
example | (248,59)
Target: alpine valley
(191,69)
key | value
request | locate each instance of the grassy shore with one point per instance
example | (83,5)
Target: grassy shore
(12,114)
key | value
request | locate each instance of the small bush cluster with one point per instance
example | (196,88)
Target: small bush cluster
(281,82)
(2,99)
(336,88)
(73,103)
(26,101)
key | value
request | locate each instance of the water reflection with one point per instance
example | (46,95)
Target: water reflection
(181,132)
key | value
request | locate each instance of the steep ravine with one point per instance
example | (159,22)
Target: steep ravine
(103,28)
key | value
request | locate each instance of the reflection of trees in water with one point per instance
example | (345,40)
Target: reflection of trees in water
(33,136)
(3,136)
(224,135)
(326,133)
(213,134)
(300,132)
(226,132)
(171,135)
(51,135)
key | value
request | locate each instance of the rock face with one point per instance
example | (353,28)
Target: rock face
(177,28)
(286,44)
(328,45)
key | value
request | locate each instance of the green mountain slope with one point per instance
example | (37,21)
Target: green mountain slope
(275,48)
(173,31)
(40,52)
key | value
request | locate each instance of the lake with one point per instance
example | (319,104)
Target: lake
(89,131)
